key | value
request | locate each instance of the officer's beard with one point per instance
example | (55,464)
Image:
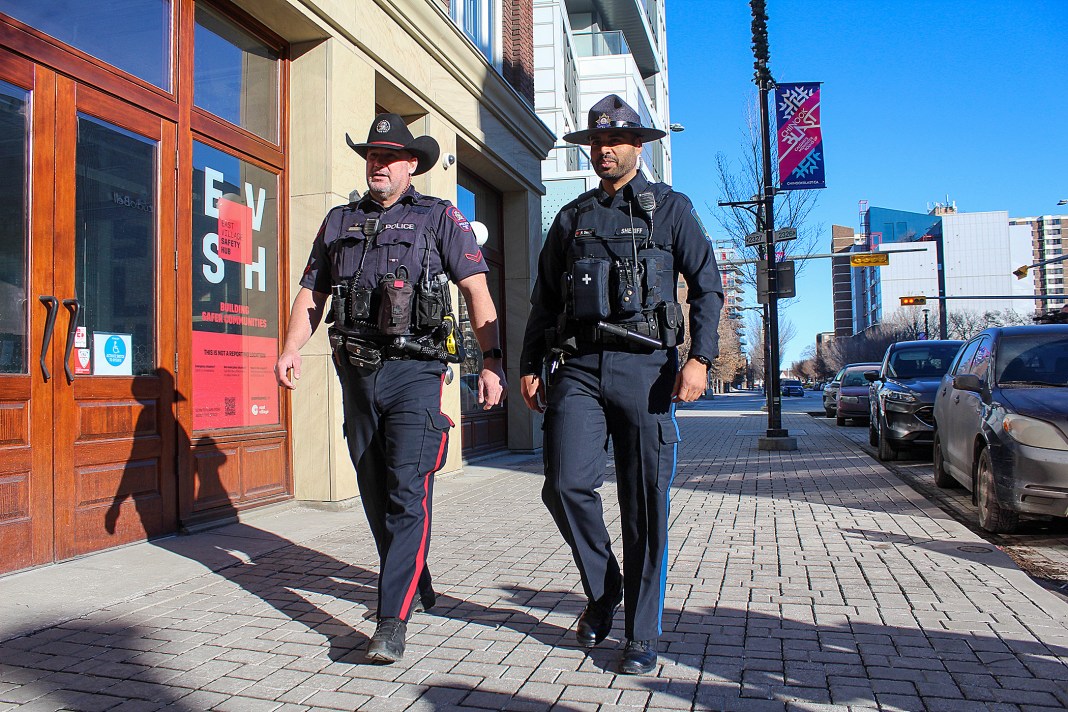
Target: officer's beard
(389,192)
(621,166)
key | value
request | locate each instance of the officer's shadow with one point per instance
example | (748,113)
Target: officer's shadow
(293,581)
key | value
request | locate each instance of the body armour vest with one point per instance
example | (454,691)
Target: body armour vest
(389,264)
(617,272)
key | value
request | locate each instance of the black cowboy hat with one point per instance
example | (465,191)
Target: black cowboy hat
(390,131)
(613,114)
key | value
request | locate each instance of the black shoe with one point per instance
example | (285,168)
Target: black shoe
(426,601)
(387,644)
(595,623)
(639,657)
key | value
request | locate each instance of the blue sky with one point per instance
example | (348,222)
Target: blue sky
(920,100)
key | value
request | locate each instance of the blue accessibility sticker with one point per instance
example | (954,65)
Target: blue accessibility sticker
(114,350)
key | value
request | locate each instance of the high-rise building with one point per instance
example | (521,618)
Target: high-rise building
(1046,232)
(942,253)
(583,51)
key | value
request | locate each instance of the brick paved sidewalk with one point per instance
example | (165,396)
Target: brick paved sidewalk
(810,580)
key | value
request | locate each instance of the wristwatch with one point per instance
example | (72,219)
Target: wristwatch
(495,352)
(703,360)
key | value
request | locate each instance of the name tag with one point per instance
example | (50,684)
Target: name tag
(631,231)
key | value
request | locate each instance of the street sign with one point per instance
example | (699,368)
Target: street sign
(869,259)
(781,235)
(784,272)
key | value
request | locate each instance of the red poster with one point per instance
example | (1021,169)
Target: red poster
(233,380)
(235,231)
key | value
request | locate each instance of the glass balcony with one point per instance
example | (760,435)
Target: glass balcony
(600,44)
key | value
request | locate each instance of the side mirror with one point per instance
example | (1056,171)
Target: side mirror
(968,382)
(871,376)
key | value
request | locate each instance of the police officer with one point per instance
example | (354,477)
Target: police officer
(605,322)
(386,259)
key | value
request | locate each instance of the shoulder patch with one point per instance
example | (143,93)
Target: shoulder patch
(457,217)
(476,258)
(693,211)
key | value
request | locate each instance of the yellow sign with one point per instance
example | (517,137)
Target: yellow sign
(869,259)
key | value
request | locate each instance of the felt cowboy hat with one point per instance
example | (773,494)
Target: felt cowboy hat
(390,131)
(613,114)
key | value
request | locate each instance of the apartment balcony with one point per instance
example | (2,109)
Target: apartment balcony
(630,17)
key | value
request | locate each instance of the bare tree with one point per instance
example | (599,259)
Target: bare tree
(755,328)
(742,179)
(966,323)
(730,364)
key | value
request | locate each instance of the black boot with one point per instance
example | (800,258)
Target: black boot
(639,657)
(595,623)
(387,644)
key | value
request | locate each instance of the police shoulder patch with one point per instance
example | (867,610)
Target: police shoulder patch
(457,217)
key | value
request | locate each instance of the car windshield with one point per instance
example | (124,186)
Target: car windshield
(791,383)
(927,361)
(854,378)
(1033,359)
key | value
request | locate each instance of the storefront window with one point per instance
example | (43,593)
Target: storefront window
(235,291)
(14,169)
(235,75)
(133,36)
(478,202)
(115,238)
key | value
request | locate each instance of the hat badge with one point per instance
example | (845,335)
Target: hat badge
(604,120)
(382,126)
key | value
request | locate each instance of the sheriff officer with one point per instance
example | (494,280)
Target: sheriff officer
(386,259)
(605,320)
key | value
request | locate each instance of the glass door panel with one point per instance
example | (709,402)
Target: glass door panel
(14,226)
(115,250)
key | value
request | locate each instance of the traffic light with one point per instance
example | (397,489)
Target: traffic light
(913,301)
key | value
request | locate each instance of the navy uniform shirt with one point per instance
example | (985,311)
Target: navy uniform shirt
(694,259)
(339,245)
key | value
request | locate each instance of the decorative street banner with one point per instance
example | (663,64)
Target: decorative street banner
(797,110)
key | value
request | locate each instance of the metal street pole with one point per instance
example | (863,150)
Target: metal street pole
(765,83)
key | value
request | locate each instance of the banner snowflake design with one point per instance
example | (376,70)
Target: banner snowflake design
(811,164)
(795,98)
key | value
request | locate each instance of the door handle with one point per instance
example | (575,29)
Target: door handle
(74,307)
(52,305)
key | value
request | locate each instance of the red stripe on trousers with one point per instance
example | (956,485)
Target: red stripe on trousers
(420,557)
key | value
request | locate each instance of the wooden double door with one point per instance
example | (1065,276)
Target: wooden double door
(87,318)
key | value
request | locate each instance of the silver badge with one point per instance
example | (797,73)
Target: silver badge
(382,126)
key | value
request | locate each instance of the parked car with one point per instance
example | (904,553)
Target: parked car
(902,393)
(852,400)
(830,394)
(1001,424)
(791,387)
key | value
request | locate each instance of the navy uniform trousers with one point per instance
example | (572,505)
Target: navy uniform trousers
(625,396)
(397,438)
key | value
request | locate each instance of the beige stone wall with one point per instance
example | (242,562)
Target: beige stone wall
(409,57)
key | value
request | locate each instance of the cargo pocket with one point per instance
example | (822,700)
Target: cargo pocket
(669,449)
(435,442)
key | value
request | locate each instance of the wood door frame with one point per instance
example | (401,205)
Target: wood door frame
(33,418)
(74,99)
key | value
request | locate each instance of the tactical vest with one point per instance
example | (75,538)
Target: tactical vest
(393,264)
(619,273)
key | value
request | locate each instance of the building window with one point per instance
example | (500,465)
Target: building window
(235,75)
(478,20)
(235,291)
(14,227)
(133,36)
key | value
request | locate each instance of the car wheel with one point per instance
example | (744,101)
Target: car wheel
(992,516)
(886,450)
(942,478)
(873,434)
(839,420)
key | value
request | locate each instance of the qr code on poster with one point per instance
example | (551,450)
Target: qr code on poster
(230,405)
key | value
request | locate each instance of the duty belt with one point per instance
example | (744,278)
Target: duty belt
(586,333)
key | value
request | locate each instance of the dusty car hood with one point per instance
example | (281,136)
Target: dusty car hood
(1049,404)
(924,387)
